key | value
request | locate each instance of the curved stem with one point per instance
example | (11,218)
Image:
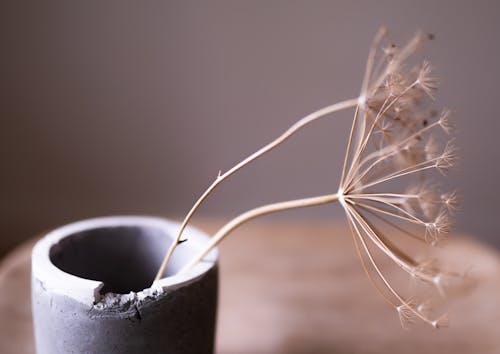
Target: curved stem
(288,133)
(251,214)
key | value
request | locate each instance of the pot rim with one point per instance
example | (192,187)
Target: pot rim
(87,291)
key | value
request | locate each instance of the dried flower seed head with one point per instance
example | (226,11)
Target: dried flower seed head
(436,231)
(441,322)
(405,147)
(428,83)
(447,160)
(396,85)
(391,141)
(429,202)
(445,121)
(450,201)
(406,314)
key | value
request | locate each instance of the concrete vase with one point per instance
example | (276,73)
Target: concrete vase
(92,293)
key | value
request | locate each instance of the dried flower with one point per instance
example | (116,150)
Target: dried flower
(392,139)
(396,106)
(426,81)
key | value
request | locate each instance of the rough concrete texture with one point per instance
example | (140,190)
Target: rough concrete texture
(181,321)
(177,315)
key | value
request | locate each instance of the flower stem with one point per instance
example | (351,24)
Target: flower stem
(251,214)
(221,177)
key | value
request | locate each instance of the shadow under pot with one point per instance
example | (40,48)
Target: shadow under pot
(92,292)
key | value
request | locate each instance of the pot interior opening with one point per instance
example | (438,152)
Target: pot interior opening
(124,258)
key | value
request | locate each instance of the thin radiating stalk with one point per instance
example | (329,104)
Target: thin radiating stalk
(365,267)
(370,257)
(408,267)
(252,214)
(385,155)
(363,97)
(399,144)
(371,59)
(365,140)
(410,218)
(221,177)
(390,223)
(346,157)
(380,274)
(401,173)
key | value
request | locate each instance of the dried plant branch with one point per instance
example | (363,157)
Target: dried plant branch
(389,141)
(221,177)
(252,214)
(406,149)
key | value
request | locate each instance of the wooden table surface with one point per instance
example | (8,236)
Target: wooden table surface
(297,287)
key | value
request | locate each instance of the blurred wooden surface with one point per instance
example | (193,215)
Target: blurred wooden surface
(297,287)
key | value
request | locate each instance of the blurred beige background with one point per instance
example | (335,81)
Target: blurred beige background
(133,107)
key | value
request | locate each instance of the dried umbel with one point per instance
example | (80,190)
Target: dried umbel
(395,143)
(392,116)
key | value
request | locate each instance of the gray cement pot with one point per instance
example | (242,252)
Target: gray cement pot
(92,293)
